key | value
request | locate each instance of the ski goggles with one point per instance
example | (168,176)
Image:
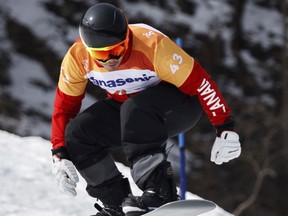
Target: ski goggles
(104,54)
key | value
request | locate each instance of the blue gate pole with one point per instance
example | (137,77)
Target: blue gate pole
(181,141)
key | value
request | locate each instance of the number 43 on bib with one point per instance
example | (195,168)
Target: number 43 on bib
(175,67)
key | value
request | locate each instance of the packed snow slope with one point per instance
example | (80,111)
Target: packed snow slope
(27,187)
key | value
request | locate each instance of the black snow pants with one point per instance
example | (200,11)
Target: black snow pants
(141,125)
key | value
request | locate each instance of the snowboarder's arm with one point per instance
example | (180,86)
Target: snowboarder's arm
(200,83)
(69,94)
(66,107)
(175,66)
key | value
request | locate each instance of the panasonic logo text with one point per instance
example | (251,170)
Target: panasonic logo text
(119,82)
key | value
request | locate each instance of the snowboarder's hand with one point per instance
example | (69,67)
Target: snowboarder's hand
(226,147)
(65,175)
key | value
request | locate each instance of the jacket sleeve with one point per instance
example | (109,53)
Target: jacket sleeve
(199,83)
(69,93)
(66,107)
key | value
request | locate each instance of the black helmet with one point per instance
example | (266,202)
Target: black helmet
(103,25)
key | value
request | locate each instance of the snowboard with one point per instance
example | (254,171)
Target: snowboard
(183,208)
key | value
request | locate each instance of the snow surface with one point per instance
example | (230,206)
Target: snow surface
(27,187)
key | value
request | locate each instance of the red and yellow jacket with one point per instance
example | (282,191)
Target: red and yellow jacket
(151,58)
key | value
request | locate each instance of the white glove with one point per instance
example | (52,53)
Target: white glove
(226,148)
(65,175)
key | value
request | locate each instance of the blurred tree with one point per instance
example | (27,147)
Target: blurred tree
(269,158)
(284,4)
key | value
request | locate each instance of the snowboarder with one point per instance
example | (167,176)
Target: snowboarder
(155,91)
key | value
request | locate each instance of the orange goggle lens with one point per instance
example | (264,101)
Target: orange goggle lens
(106,53)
